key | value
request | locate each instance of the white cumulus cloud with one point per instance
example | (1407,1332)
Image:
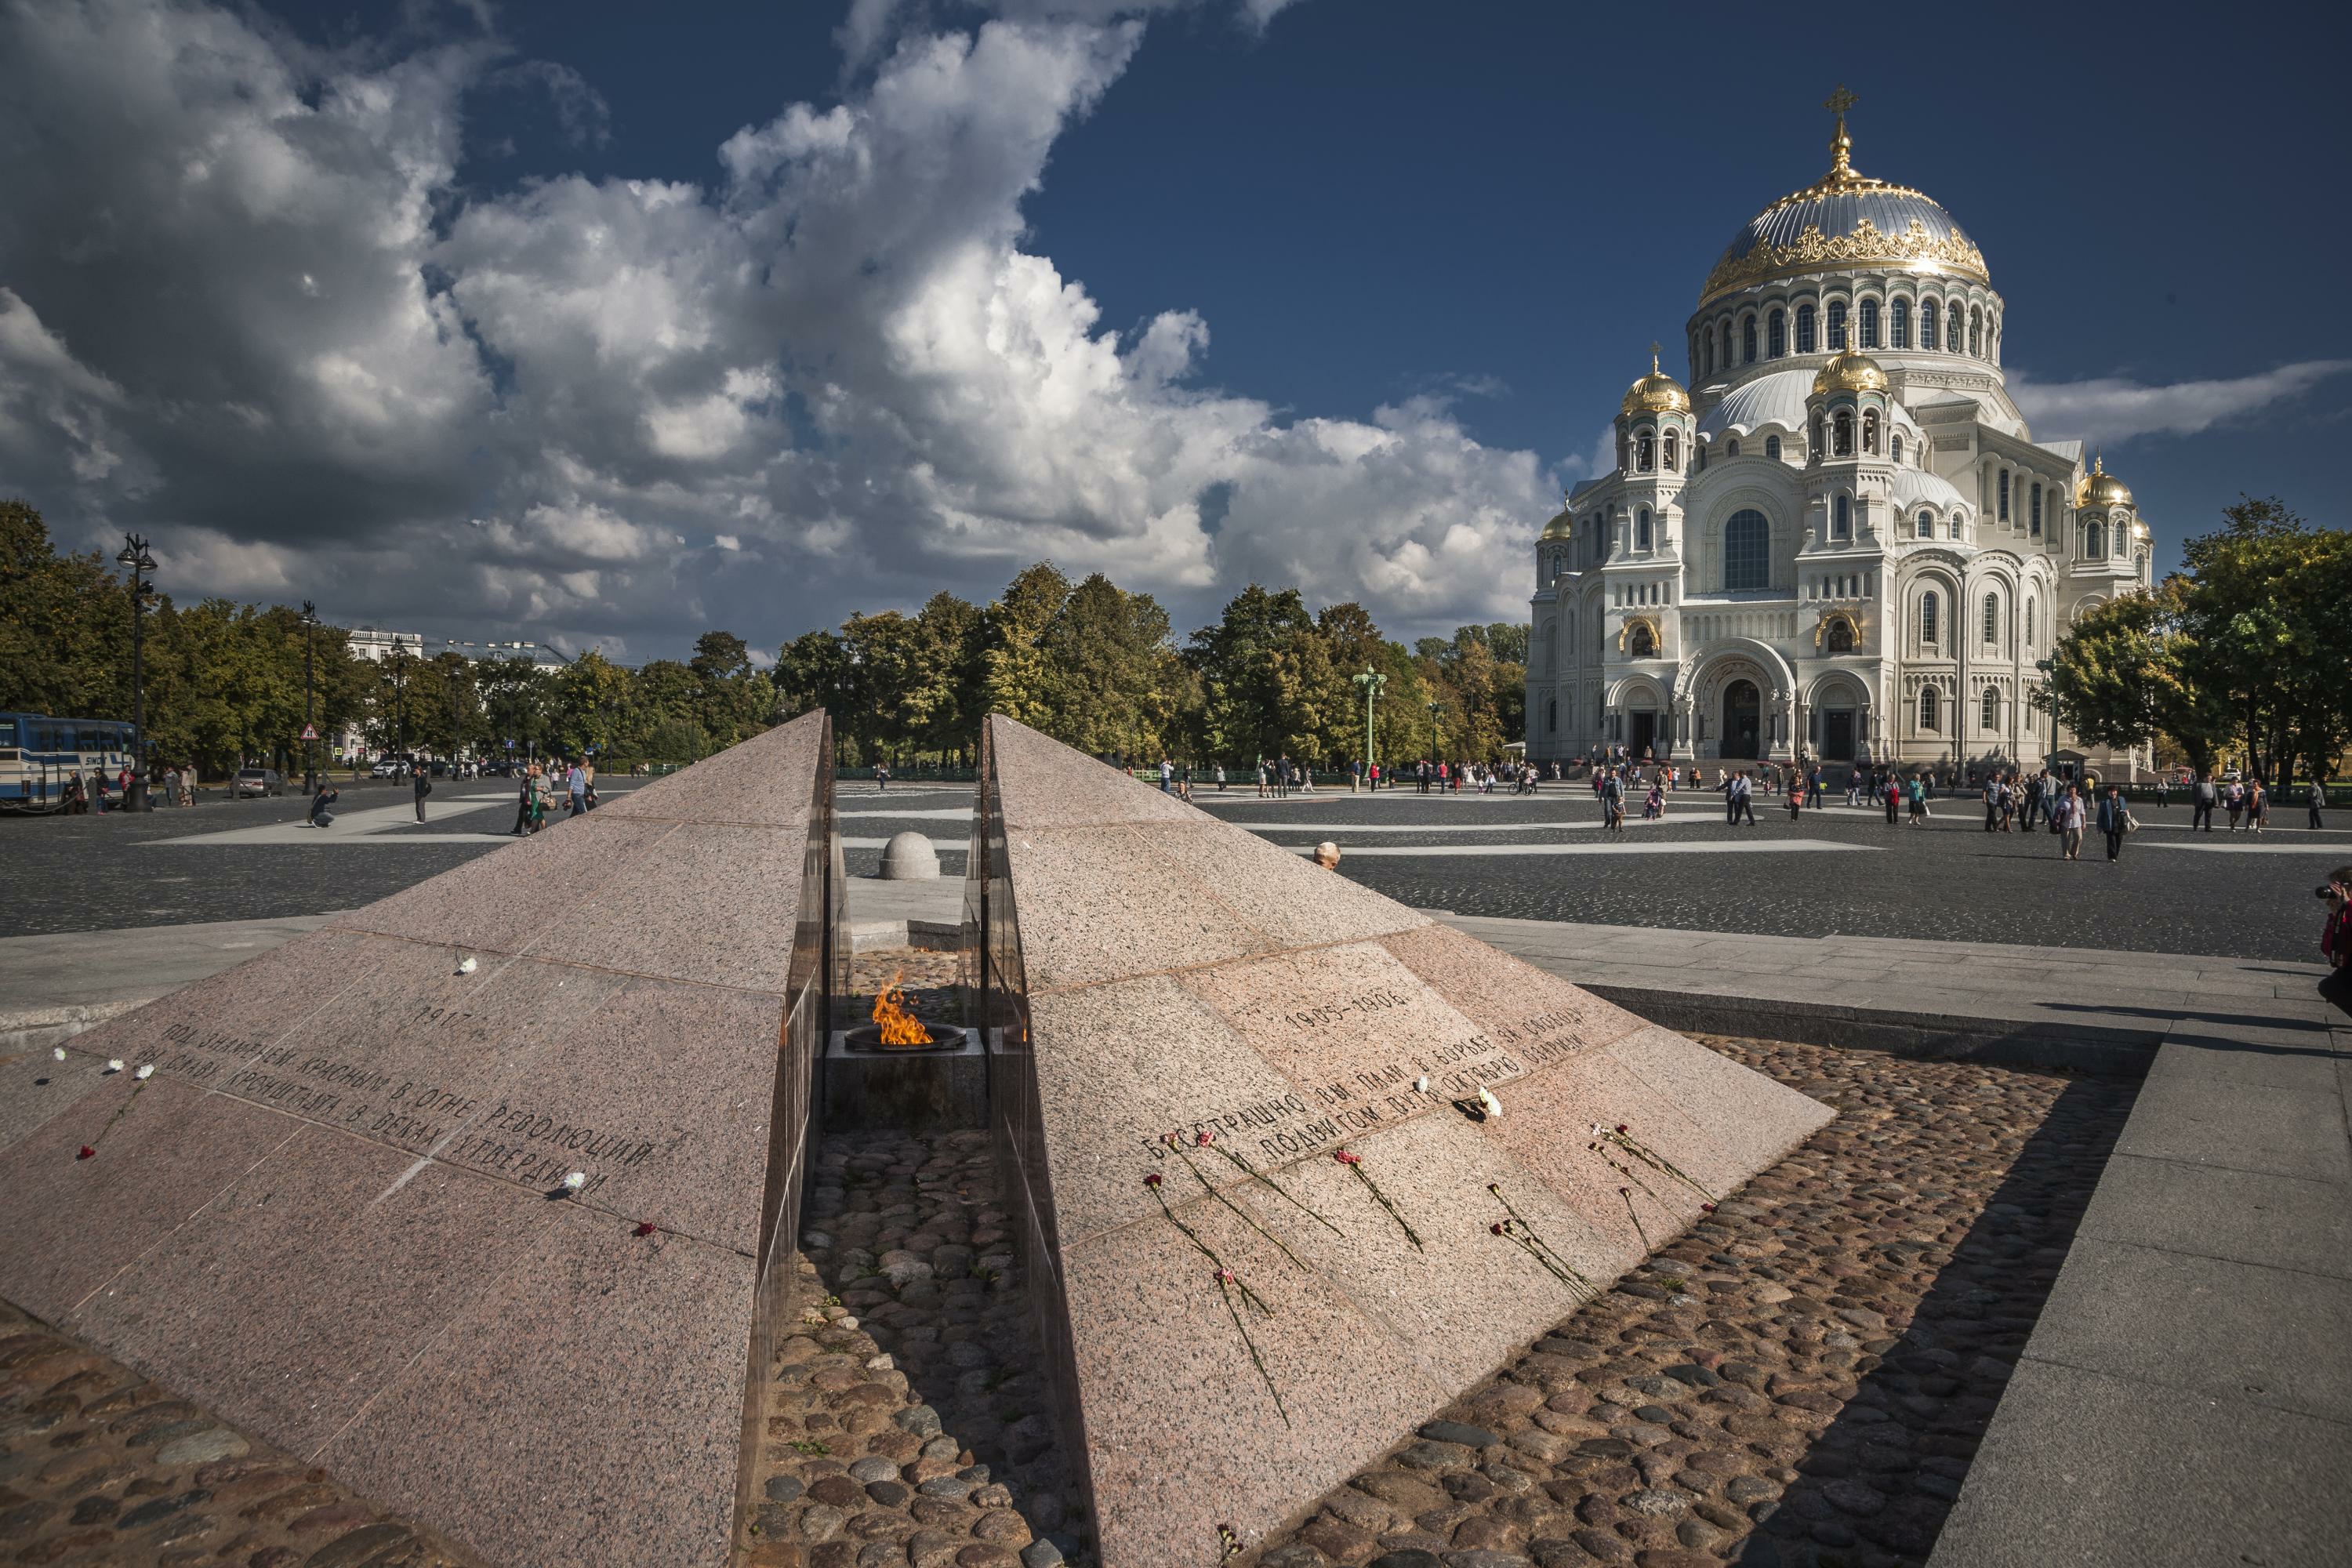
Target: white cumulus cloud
(2107,410)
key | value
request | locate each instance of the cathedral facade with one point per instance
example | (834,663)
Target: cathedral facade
(1840,543)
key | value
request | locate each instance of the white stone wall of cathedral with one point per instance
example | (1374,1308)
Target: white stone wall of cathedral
(1717,334)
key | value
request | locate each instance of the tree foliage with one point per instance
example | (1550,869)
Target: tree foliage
(2244,650)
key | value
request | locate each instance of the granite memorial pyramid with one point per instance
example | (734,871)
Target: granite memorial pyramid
(1295,1163)
(483,1197)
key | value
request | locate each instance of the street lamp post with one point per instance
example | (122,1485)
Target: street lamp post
(309,713)
(134,555)
(1372,684)
(399,700)
(2048,668)
(1434,710)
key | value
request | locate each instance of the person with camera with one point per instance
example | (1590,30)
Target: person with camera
(2336,938)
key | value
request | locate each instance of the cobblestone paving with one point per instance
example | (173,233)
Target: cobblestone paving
(1800,1380)
(98,1466)
(908,1423)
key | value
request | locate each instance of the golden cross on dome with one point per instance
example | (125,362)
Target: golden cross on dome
(1655,352)
(1841,144)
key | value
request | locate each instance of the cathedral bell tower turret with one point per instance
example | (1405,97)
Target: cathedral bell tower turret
(1657,440)
(1849,416)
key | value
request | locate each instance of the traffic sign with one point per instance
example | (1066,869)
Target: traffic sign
(310,732)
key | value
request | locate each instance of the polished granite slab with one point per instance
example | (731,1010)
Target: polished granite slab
(1263,1125)
(471,1196)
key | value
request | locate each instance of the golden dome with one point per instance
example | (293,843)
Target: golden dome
(1560,527)
(1850,371)
(2101,488)
(1656,392)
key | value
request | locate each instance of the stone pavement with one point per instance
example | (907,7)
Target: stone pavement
(54,986)
(2187,1393)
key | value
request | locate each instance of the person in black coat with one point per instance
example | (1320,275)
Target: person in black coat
(424,787)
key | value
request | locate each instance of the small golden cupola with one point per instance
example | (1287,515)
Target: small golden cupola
(1656,392)
(2101,489)
(1849,371)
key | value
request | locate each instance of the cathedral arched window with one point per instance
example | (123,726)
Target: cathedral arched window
(1897,440)
(1772,447)
(1641,642)
(1975,332)
(1841,636)
(2028,625)
(1870,431)
(1706,353)
(1776,332)
(1642,528)
(1837,324)
(1928,605)
(1991,709)
(1645,452)
(2003,492)
(1927,525)
(1992,620)
(2095,540)
(1748,340)
(1928,717)
(1817,435)
(1841,423)
(1726,343)
(1747,553)
(1674,451)
(1900,326)
(1731,448)
(1952,326)
(1804,329)
(1551,717)
(1841,519)
(1927,323)
(1869,323)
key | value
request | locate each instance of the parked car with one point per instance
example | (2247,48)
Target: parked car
(260,782)
(386,769)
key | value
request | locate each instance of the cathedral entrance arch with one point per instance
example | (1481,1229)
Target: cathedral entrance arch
(1643,727)
(1743,720)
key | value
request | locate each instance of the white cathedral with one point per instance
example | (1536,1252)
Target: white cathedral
(1842,545)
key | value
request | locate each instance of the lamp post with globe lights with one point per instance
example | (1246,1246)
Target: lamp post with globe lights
(1372,684)
(134,555)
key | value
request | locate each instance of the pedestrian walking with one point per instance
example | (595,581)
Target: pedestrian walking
(1167,775)
(2258,806)
(2236,801)
(423,784)
(1743,797)
(2066,820)
(2114,821)
(1221,778)
(1992,801)
(2315,798)
(1919,799)
(2336,938)
(2202,798)
(1894,798)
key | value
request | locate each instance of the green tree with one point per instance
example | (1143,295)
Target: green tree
(590,694)
(1114,672)
(812,671)
(1248,699)
(1017,678)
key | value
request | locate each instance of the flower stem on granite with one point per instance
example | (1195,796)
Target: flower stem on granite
(1521,1235)
(1211,1188)
(1226,1285)
(89,1150)
(1229,1544)
(1627,1193)
(1624,1139)
(1252,1297)
(1205,1140)
(1355,1164)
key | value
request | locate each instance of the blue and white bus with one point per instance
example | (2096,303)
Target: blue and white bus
(38,754)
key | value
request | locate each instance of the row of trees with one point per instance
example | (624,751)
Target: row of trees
(1098,667)
(1087,663)
(228,684)
(2244,656)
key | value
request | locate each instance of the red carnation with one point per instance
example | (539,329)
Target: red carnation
(1706,1208)
(1202,1138)
(646,1229)
(1345,1158)
(1620,1127)
(1496,1229)
(1625,1191)
(1153,1179)
(87,1152)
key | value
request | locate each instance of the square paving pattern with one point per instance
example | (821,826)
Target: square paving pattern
(469,1198)
(1298,1164)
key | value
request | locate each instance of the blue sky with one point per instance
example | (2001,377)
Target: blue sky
(1373,274)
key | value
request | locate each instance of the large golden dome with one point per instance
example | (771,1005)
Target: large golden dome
(1845,220)
(1656,392)
(1560,527)
(2101,488)
(1851,371)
